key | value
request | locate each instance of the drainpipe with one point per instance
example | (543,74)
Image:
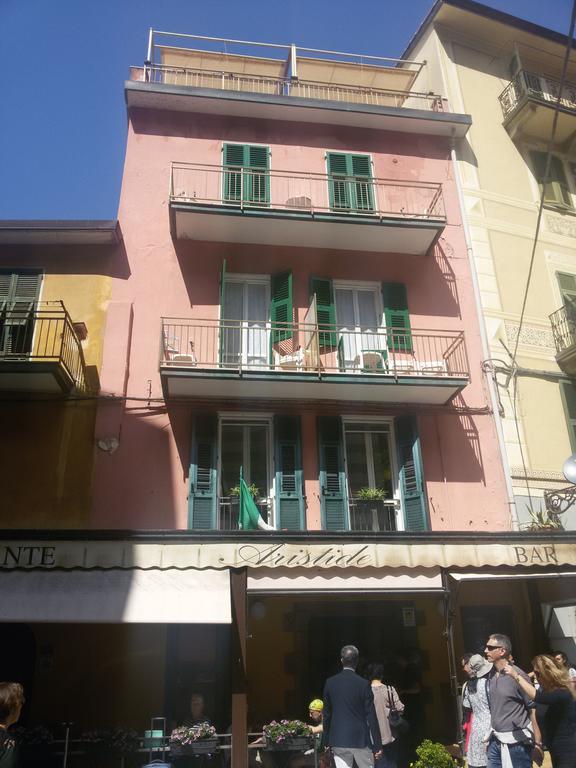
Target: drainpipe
(485,348)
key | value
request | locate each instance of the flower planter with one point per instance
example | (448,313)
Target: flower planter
(290,743)
(200,747)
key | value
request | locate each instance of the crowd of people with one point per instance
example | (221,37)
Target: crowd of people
(512,719)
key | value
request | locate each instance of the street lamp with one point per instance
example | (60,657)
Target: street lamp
(558,502)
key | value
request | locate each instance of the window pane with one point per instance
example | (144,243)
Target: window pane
(345,309)
(259,458)
(356,460)
(382,465)
(231,453)
(368,319)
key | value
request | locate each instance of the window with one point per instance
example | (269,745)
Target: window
(245,311)
(358,312)
(246,177)
(568,391)
(556,189)
(18,294)
(246,445)
(350,185)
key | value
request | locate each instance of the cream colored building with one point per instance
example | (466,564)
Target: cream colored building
(505,73)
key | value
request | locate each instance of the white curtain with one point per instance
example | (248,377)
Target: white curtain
(358,324)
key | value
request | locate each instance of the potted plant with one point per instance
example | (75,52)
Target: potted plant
(287,735)
(198,739)
(234,494)
(433,755)
(368,503)
(542,520)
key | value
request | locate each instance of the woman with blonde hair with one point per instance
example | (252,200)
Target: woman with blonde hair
(557,693)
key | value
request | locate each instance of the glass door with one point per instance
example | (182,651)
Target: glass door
(245,324)
(357,319)
(369,472)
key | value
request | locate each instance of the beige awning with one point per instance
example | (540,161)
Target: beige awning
(368,580)
(116,596)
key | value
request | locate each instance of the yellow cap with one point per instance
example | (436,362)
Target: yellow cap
(316,706)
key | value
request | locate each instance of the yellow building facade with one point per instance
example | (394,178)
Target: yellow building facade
(506,74)
(55,282)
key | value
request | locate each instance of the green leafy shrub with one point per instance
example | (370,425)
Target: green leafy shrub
(371,494)
(254,491)
(433,755)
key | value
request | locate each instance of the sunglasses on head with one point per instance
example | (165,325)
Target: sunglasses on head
(492,647)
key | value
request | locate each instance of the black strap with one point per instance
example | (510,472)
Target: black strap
(391,705)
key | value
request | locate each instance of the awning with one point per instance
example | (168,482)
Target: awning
(367,580)
(116,596)
(492,575)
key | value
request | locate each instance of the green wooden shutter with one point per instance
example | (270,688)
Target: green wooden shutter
(258,186)
(325,311)
(338,184)
(397,317)
(363,191)
(411,475)
(19,293)
(281,311)
(288,468)
(242,182)
(332,477)
(202,499)
(233,165)
(568,392)
(350,186)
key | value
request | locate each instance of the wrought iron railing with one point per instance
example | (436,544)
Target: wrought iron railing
(41,331)
(229,512)
(372,514)
(286,86)
(236,345)
(536,86)
(563,322)
(305,193)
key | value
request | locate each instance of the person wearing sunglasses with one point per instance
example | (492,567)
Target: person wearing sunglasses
(515,731)
(556,691)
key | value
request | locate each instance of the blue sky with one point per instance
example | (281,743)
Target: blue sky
(63,127)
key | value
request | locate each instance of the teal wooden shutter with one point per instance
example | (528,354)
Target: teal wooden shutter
(202,499)
(325,311)
(281,311)
(350,185)
(332,477)
(288,468)
(411,475)
(233,172)
(19,293)
(397,317)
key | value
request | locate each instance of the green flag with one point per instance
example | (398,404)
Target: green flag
(249,514)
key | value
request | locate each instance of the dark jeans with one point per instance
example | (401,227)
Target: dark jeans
(389,757)
(520,754)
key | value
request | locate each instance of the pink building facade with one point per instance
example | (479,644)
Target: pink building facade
(299,304)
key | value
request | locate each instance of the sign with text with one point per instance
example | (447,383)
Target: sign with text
(125,555)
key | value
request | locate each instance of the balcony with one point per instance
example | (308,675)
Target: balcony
(564,331)
(234,78)
(304,209)
(39,350)
(230,359)
(376,516)
(528,104)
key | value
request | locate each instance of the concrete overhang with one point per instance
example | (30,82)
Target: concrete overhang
(294,109)
(60,232)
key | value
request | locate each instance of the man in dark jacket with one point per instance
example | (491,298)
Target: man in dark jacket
(350,724)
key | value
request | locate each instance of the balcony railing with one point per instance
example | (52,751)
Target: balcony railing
(237,346)
(229,512)
(535,86)
(563,322)
(286,86)
(372,515)
(305,193)
(41,332)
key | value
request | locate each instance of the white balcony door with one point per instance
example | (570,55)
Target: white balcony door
(246,333)
(358,314)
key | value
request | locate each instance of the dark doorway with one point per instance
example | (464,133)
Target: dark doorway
(18,660)
(481,621)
